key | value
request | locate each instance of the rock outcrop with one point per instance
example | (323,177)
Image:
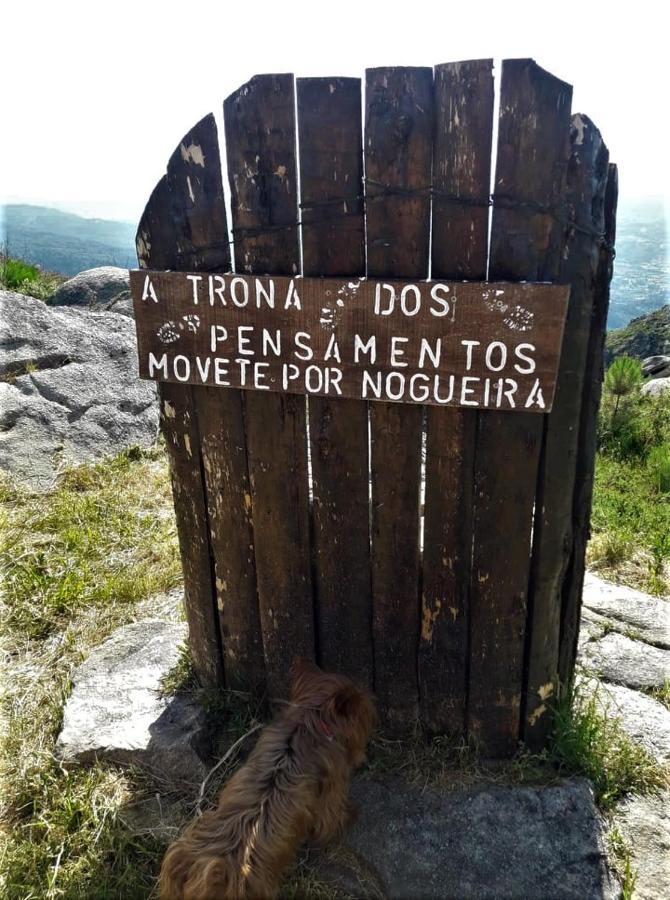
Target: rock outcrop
(69,389)
(104,288)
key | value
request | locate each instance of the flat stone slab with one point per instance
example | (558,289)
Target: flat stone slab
(649,616)
(472,844)
(621,660)
(644,823)
(116,711)
(645,720)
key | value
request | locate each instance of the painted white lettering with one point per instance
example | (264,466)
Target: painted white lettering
(450,393)
(442,309)
(467,390)
(195,279)
(332,350)
(263,294)
(502,351)
(302,339)
(369,347)
(510,391)
(397,351)
(244,365)
(410,310)
(260,376)
(313,379)
(433,352)
(419,387)
(221,374)
(369,384)
(243,340)
(289,373)
(181,366)
(469,346)
(518,352)
(335,379)
(160,364)
(203,367)
(148,292)
(234,294)
(395,393)
(378,299)
(292,298)
(270,344)
(220,280)
(536,397)
(218,334)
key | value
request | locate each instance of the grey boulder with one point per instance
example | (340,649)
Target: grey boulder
(69,389)
(472,844)
(103,288)
(656,366)
(644,823)
(648,616)
(116,710)
(618,659)
(656,387)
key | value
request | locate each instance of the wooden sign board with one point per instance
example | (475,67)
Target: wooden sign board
(470,344)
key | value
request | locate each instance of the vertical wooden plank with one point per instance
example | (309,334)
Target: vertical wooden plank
(526,237)
(160,236)
(333,243)
(259,122)
(588,431)
(552,531)
(199,216)
(461,181)
(398,150)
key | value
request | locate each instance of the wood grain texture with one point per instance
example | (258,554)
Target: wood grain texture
(199,218)
(533,132)
(333,243)
(398,148)
(158,240)
(588,434)
(552,531)
(259,121)
(461,171)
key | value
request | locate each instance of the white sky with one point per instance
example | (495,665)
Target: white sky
(95,96)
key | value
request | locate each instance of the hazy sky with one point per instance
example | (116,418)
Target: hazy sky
(95,96)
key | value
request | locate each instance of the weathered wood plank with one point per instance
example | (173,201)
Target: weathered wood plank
(552,531)
(333,243)
(588,430)
(158,237)
(398,148)
(199,217)
(259,122)
(461,172)
(533,132)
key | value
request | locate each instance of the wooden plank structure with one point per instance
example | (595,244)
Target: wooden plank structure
(301,522)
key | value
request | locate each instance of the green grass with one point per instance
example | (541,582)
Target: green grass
(76,562)
(24,278)
(104,538)
(589,740)
(621,859)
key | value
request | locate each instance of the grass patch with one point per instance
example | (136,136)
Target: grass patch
(622,863)
(75,563)
(662,694)
(589,741)
(25,278)
(103,538)
(630,525)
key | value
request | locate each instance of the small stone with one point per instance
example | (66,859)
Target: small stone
(644,823)
(621,660)
(647,615)
(116,711)
(472,844)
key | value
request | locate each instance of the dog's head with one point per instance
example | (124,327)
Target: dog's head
(342,708)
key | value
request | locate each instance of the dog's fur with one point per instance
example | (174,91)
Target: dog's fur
(293,788)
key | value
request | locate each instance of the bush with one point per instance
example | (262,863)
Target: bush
(24,278)
(658,464)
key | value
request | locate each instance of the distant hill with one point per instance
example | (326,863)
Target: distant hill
(67,243)
(648,335)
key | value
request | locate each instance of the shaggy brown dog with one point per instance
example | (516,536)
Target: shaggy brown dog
(294,787)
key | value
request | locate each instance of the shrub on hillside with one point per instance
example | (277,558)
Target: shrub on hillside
(24,278)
